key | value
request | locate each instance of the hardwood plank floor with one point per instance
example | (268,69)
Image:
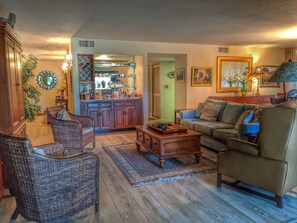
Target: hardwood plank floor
(194,199)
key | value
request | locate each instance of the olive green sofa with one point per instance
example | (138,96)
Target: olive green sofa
(270,165)
(215,134)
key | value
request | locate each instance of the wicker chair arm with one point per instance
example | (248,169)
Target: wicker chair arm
(66,185)
(52,149)
(86,121)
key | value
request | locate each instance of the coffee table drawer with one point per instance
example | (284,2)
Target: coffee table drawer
(140,135)
(181,147)
(147,139)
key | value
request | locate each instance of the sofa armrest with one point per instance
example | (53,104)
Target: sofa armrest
(243,146)
(187,114)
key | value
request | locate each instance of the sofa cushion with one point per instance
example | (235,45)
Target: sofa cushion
(199,110)
(189,123)
(249,107)
(224,134)
(232,112)
(245,118)
(220,103)
(210,112)
(207,127)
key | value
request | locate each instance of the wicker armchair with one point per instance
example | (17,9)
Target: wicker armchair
(73,134)
(48,188)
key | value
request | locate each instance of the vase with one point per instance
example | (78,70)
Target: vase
(244,90)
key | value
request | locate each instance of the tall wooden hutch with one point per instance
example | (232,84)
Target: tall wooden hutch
(12,114)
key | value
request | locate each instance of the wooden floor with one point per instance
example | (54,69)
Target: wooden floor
(194,199)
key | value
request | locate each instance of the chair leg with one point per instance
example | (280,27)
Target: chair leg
(97,207)
(15,214)
(279,201)
(219,179)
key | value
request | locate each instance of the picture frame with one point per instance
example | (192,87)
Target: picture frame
(268,70)
(201,76)
(180,75)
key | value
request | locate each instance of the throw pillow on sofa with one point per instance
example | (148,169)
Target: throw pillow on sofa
(199,110)
(219,103)
(210,112)
(246,117)
(63,115)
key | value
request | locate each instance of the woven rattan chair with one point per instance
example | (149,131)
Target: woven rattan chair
(73,134)
(50,187)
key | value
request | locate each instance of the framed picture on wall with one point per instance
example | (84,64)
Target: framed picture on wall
(180,75)
(268,71)
(201,77)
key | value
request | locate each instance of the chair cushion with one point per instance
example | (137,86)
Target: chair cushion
(199,110)
(224,134)
(220,103)
(207,127)
(210,112)
(232,113)
(63,115)
(245,118)
(87,130)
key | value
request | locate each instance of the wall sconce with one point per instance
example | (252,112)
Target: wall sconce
(67,64)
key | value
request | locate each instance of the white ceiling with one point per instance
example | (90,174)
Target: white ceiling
(47,25)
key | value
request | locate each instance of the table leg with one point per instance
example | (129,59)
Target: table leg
(162,161)
(197,156)
(137,146)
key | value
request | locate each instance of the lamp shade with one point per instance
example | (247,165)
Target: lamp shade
(287,72)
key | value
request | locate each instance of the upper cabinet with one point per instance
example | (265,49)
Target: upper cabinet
(106,76)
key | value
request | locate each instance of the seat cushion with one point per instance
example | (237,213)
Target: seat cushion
(87,130)
(63,115)
(224,134)
(210,112)
(232,113)
(189,123)
(207,127)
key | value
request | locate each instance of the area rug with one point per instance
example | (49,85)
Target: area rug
(142,168)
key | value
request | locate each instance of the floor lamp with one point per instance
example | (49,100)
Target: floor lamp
(287,72)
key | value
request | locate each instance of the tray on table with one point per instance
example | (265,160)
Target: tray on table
(171,128)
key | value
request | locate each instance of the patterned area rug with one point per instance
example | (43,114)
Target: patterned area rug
(142,168)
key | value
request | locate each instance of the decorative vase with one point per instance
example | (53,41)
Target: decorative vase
(244,89)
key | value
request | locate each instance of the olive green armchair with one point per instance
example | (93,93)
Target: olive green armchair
(271,164)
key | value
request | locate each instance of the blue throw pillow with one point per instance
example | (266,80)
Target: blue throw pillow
(246,117)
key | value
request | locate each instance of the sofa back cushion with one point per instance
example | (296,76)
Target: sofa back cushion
(232,112)
(220,103)
(210,112)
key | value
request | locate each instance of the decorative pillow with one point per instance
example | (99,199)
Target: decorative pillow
(199,110)
(38,150)
(219,103)
(210,112)
(256,112)
(246,117)
(63,115)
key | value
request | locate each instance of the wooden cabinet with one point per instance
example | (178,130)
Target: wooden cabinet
(12,114)
(113,113)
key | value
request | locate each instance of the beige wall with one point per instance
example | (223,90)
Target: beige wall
(197,55)
(48,97)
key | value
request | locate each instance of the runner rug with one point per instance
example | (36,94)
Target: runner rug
(142,168)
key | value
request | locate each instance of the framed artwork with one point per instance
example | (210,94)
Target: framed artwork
(201,77)
(268,71)
(180,75)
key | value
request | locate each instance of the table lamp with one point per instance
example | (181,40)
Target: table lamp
(287,72)
(257,74)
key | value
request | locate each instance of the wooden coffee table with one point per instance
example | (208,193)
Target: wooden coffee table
(168,145)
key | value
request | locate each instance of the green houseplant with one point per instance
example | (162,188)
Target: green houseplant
(31,93)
